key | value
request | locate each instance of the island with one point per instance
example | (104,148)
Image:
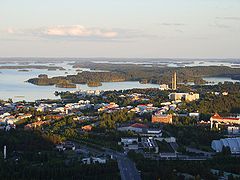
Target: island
(20,67)
(65,84)
(93,79)
(23,70)
(94,84)
(142,74)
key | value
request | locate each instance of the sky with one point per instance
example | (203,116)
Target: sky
(120,28)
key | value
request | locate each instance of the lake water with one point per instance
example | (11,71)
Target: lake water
(234,63)
(13,83)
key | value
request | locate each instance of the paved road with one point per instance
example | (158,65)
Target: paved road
(127,167)
(208,154)
(174,146)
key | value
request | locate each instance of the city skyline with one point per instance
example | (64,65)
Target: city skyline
(135,29)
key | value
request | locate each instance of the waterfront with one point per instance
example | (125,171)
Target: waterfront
(13,82)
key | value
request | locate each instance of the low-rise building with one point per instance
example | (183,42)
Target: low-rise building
(94,160)
(35,124)
(163,87)
(232,143)
(129,143)
(151,132)
(87,128)
(137,127)
(233,130)
(185,96)
(216,118)
(162,118)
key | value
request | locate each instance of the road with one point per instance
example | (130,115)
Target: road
(205,153)
(127,167)
(174,146)
(128,170)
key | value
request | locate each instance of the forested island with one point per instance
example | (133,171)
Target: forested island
(131,72)
(23,70)
(94,84)
(157,74)
(43,80)
(90,78)
(24,67)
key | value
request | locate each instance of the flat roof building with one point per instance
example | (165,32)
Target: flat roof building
(162,118)
(184,96)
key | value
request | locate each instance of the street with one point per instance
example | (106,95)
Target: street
(127,169)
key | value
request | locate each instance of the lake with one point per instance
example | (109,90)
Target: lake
(13,82)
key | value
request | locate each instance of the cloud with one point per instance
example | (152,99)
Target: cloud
(172,24)
(79,31)
(227,22)
(75,33)
(228,18)
(10,31)
(221,26)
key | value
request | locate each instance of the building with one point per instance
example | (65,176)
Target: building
(68,145)
(232,143)
(233,130)
(162,118)
(168,155)
(151,132)
(194,115)
(184,96)
(216,118)
(163,87)
(94,160)
(136,127)
(149,143)
(87,128)
(35,125)
(176,96)
(191,96)
(129,143)
(174,81)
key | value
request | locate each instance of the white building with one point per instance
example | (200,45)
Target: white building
(94,160)
(163,87)
(129,143)
(131,140)
(233,130)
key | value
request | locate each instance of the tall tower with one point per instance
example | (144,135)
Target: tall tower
(174,81)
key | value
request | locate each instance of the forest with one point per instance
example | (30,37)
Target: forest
(32,156)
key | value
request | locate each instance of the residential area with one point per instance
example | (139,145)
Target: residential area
(106,126)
